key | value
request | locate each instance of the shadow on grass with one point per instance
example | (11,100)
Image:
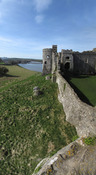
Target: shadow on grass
(8,75)
(79,76)
(80,94)
(82,97)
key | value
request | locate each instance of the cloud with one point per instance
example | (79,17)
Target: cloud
(41,5)
(5,39)
(0,15)
(39,18)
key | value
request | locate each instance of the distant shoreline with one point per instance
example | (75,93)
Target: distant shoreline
(15,61)
(32,66)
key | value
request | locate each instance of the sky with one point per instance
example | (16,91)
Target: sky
(28,26)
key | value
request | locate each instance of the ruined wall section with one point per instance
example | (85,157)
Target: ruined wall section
(67,60)
(85,63)
(54,58)
(59,61)
(47,61)
(78,113)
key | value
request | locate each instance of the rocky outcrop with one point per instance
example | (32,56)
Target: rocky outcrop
(74,159)
(78,113)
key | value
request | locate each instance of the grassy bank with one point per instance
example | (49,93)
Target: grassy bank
(31,127)
(15,74)
(87,86)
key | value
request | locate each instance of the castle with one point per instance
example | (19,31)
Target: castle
(68,61)
(78,113)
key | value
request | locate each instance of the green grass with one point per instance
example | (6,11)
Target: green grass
(31,127)
(2,63)
(15,74)
(37,169)
(90,140)
(87,86)
(74,138)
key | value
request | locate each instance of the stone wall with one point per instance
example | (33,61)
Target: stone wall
(67,59)
(78,113)
(74,62)
(84,63)
(74,159)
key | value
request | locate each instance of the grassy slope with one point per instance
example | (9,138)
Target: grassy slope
(15,74)
(1,63)
(87,85)
(31,127)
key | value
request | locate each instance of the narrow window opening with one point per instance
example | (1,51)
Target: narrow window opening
(86,61)
(48,56)
(45,62)
(59,62)
(67,58)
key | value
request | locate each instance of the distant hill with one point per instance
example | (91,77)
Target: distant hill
(0,60)
(15,61)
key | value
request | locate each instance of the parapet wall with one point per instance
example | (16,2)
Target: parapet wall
(76,158)
(84,63)
(78,113)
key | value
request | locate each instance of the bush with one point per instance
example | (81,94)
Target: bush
(3,70)
(90,140)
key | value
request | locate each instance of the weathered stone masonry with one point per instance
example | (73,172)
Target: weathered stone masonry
(76,158)
(81,115)
(74,62)
(78,113)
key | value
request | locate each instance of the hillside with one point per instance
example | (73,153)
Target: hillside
(1,61)
(31,127)
(15,74)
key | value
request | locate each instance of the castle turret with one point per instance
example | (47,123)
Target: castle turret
(47,61)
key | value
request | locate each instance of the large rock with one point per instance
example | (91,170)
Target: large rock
(36,91)
(48,77)
(74,159)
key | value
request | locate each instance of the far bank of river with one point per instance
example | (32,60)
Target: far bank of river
(34,66)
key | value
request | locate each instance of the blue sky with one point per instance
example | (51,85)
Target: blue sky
(28,26)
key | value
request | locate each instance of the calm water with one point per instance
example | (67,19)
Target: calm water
(34,67)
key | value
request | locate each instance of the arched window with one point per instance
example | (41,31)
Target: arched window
(67,66)
(45,62)
(48,56)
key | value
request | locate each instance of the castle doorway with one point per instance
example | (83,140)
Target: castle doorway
(67,66)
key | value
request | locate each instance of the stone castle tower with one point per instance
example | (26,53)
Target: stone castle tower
(49,59)
(66,60)
(69,61)
(53,61)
